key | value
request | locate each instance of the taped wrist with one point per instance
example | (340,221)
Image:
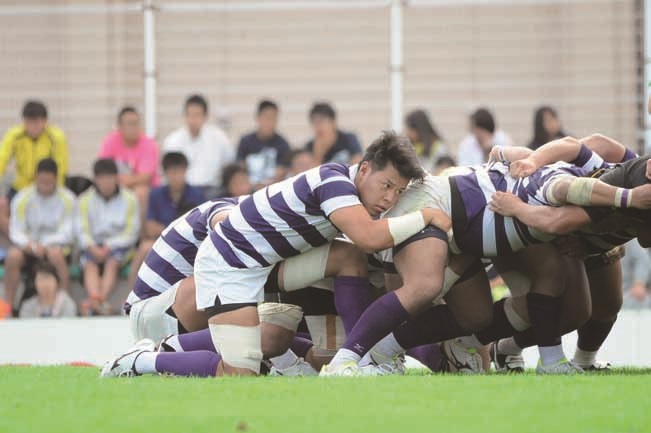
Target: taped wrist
(580,191)
(623,198)
(403,227)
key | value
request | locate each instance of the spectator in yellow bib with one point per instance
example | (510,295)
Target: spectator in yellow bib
(27,144)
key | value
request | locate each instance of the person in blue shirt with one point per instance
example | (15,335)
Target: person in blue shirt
(166,203)
(264,151)
(330,144)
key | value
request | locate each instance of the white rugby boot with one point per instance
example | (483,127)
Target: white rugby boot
(123,365)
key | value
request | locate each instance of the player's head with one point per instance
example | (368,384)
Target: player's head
(46,176)
(46,279)
(386,169)
(235,179)
(482,126)
(267,118)
(129,124)
(34,118)
(105,171)
(323,119)
(196,112)
(175,167)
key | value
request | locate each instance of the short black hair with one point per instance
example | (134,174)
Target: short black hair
(174,159)
(397,150)
(126,109)
(323,109)
(105,166)
(230,170)
(483,119)
(45,267)
(266,104)
(34,110)
(196,99)
(47,165)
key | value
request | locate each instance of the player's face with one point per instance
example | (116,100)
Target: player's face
(35,127)
(379,190)
(46,183)
(45,283)
(106,184)
(267,121)
(194,118)
(130,127)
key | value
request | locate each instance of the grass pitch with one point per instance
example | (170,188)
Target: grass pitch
(69,399)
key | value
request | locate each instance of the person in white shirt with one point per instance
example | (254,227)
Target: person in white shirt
(41,227)
(475,147)
(206,146)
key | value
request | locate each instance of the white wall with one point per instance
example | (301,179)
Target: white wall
(95,340)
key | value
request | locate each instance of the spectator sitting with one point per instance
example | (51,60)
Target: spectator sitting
(41,227)
(546,127)
(442,164)
(329,143)
(425,138)
(635,276)
(299,160)
(50,299)
(206,146)
(135,154)
(264,151)
(235,181)
(28,143)
(108,227)
(475,147)
(166,203)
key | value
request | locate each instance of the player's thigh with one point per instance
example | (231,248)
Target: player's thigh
(185,307)
(606,290)
(470,299)
(421,265)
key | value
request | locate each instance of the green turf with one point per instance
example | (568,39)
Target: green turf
(68,399)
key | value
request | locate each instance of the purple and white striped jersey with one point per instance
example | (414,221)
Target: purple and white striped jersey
(171,258)
(480,231)
(286,218)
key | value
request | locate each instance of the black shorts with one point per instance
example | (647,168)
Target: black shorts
(427,232)
(599,261)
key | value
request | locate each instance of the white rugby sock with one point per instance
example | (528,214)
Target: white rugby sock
(551,354)
(146,363)
(508,346)
(285,360)
(384,351)
(584,358)
(344,355)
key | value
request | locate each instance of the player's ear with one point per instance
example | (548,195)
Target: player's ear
(364,167)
